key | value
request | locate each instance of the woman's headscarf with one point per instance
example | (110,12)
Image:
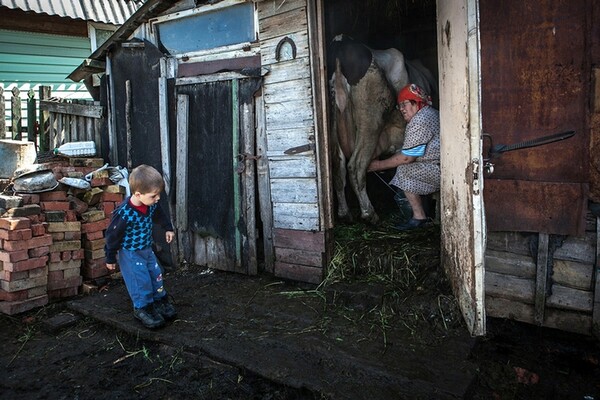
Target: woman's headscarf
(416,93)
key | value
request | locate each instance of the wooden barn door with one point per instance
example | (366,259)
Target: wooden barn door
(215,166)
(462,217)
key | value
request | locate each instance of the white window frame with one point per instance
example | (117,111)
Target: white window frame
(92,26)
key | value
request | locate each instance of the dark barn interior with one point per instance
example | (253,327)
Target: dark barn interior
(407,25)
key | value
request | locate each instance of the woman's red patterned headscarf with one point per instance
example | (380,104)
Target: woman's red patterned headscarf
(414,92)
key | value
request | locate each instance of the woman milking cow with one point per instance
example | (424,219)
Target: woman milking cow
(418,162)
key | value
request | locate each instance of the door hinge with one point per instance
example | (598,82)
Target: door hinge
(476,183)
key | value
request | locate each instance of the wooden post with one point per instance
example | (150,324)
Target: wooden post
(541,278)
(128,121)
(31,118)
(182,177)
(3,113)
(44,128)
(15,110)
(596,285)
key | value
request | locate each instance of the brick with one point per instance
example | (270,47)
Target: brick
(79,206)
(86,288)
(17,234)
(63,293)
(56,276)
(107,206)
(65,255)
(16,307)
(8,202)
(39,251)
(22,284)
(92,197)
(55,257)
(13,256)
(78,255)
(56,195)
(93,216)
(115,189)
(66,245)
(29,209)
(72,272)
(29,198)
(38,229)
(100,182)
(97,263)
(73,235)
(64,227)
(37,272)
(104,173)
(65,283)
(63,265)
(25,265)
(15,296)
(36,219)
(94,272)
(93,235)
(95,226)
(116,197)
(13,276)
(94,244)
(71,216)
(12,223)
(37,291)
(94,254)
(58,236)
(55,216)
(55,205)
(38,241)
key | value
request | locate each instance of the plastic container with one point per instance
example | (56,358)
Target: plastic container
(77,149)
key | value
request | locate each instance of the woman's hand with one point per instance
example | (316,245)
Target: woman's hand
(169,236)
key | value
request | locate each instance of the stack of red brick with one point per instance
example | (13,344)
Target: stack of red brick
(51,242)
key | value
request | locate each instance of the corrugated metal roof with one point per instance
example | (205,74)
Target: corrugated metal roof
(114,12)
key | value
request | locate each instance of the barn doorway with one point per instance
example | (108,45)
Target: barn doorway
(405,25)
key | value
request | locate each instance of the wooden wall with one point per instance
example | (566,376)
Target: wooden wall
(291,141)
(551,283)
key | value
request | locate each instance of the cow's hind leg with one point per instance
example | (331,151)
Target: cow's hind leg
(357,174)
(339,185)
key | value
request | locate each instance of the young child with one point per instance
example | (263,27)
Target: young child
(130,234)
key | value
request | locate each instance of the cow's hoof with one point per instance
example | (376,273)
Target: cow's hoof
(346,218)
(372,219)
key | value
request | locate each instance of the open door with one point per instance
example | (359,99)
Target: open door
(462,213)
(215,178)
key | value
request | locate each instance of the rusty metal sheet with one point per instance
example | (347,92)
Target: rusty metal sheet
(535,82)
(526,206)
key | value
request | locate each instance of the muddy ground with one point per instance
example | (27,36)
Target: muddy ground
(237,337)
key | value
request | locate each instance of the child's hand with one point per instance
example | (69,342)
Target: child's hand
(170,235)
(111,267)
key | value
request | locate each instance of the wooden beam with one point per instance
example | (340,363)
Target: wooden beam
(541,278)
(182,161)
(596,305)
(82,110)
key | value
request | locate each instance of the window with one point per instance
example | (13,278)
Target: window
(99,33)
(201,31)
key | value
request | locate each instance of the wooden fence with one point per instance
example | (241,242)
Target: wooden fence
(53,121)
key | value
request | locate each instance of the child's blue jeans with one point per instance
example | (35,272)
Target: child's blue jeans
(142,276)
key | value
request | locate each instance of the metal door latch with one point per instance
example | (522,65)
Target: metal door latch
(242,157)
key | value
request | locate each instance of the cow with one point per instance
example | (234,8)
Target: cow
(366,123)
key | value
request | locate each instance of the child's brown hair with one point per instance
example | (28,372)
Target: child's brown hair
(145,179)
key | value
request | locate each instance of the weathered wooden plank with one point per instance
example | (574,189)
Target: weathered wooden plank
(288,91)
(573,274)
(269,8)
(511,242)
(212,252)
(301,257)
(91,110)
(500,307)
(283,139)
(289,115)
(182,161)
(580,249)
(596,311)
(541,278)
(300,216)
(289,70)
(294,191)
(300,240)
(249,260)
(301,273)
(570,299)
(268,47)
(301,166)
(509,264)
(509,287)
(569,321)
(283,23)
(264,186)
